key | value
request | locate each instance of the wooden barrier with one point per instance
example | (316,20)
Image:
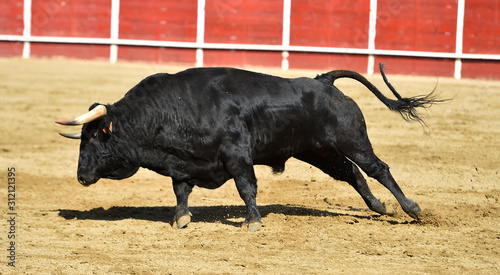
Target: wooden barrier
(426,37)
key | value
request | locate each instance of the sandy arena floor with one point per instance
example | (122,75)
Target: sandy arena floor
(311,223)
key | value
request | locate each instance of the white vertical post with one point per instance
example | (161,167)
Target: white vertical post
(372,31)
(460,37)
(27,28)
(199,57)
(287,13)
(115,30)
(200,33)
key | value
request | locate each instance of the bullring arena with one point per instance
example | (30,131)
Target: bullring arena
(311,223)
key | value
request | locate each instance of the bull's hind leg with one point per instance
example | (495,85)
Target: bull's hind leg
(366,159)
(182,215)
(340,168)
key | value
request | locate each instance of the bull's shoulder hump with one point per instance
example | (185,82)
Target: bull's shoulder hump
(215,74)
(210,72)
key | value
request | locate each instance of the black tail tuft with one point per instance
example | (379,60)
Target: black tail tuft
(406,106)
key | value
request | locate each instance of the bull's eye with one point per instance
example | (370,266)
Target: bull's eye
(94,136)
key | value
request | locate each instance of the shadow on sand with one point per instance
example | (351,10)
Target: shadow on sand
(208,214)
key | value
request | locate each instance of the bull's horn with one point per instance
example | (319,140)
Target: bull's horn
(96,113)
(72,136)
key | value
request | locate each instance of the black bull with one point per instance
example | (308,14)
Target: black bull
(204,126)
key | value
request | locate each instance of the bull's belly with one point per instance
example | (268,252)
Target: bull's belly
(275,159)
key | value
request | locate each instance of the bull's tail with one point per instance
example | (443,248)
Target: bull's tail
(406,107)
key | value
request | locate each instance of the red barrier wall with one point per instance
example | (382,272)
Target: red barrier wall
(330,23)
(244,22)
(414,25)
(11,17)
(426,25)
(64,18)
(11,22)
(482,35)
(158,20)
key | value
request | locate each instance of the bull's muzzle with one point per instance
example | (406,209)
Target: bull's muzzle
(86,180)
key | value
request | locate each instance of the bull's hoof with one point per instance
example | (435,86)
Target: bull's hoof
(182,221)
(389,211)
(383,209)
(251,226)
(412,210)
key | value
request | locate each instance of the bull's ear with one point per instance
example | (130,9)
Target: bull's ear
(109,128)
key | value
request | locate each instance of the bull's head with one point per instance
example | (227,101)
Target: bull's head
(100,155)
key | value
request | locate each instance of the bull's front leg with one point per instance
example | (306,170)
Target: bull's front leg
(246,183)
(182,215)
(239,165)
(247,188)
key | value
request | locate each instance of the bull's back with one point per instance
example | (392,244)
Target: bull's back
(273,109)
